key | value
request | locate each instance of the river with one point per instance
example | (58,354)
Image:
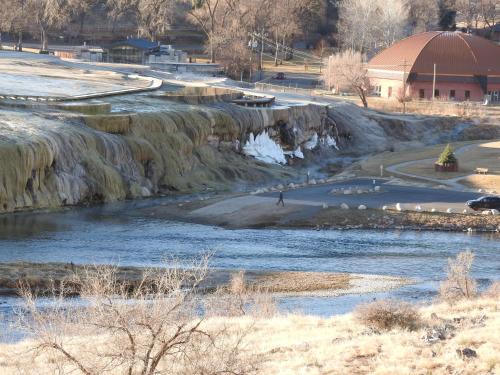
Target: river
(122,234)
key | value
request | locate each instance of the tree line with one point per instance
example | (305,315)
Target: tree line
(233,29)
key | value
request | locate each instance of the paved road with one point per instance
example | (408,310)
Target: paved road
(389,195)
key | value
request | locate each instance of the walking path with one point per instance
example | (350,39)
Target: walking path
(451,182)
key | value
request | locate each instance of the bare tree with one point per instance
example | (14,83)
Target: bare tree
(210,16)
(357,24)
(150,327)
(48,15)
(347,71)
(118,9)
(423,15)
(13,19)
(80,9)
(283,22)
(490,12)
(459,283)
(154,16)
(392,20)
(469,11)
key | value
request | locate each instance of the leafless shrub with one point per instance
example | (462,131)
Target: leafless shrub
(494,290)
(459,284)
(150,326)
(388,314)
(240,299)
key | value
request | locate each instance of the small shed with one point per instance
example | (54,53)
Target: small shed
(132,51)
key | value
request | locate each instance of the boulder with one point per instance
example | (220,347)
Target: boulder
(433,210)
(377,188)
(449,210)
(418,208)
(362,207)
(398,207)
(466,353)
(312,182)
(486,212)
(347,191)
(495,212)
(344,206)
(385,208)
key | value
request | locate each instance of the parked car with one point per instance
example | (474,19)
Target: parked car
(484,203)
(280,76)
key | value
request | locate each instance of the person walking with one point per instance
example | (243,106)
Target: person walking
(280,200)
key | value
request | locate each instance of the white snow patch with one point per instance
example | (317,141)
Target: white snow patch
(263,148)
(295,154)
(312,143)
(331,142)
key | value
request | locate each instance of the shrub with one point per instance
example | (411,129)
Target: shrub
(447,156)
(494,290)
(150,327)
(388,314)
(240,298)
(459,284)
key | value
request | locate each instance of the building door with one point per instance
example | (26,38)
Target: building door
(389,92)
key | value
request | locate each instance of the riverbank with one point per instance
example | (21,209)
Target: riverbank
(250,211)
(43,276)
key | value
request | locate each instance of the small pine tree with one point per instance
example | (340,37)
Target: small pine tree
(447,156)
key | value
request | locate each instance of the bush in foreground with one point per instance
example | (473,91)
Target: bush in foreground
(152,326)
(459,284)
(388,314)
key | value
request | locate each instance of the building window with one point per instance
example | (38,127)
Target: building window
(436,93)
(389,92)
(452,94)
(467,94)
(421,94)
(377,90)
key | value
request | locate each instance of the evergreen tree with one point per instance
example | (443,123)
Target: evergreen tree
(447,156)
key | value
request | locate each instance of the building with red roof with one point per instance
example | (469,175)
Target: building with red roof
(455,65)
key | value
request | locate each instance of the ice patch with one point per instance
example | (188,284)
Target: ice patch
(295,154)
(331,142)
(312,143)
(263,148)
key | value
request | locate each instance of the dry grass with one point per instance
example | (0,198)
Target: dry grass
(388,315)
(43,276)
(298,344)
(483,155)
(371,166)
(297,282)
(424,107)
(488,182)
(494,290)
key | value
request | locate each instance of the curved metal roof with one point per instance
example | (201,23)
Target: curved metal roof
(454,53)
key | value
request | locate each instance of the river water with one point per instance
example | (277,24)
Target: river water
(123,234)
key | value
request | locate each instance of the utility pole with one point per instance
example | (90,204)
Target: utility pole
(251,55)
(434,83)
(262,51)
(404,86)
